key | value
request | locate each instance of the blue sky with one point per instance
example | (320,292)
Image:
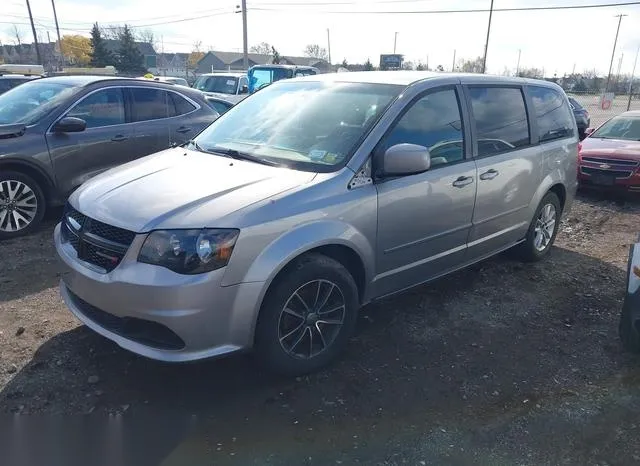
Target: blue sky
(554,40)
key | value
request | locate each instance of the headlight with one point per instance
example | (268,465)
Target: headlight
(189,251)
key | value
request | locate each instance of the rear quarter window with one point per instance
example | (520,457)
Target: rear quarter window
(555,118)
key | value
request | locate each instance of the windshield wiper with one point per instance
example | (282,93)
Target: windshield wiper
(234,154)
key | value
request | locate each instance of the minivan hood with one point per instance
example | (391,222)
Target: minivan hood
(180,188)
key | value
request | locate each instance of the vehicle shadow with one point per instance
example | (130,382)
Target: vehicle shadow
(28,264)
(467,350)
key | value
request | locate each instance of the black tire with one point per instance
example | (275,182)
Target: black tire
(6,176)
(628,331)
(527,250)
(304,272)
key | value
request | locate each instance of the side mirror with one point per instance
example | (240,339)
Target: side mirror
(588,131)
(406,159)
(244,89)
(70,125)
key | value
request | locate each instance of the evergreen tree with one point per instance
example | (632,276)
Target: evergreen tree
(100,56)
(276,56)
(130,60)
(368,66)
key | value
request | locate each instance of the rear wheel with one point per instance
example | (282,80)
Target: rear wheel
(22,204)
(542,230)
(628,330)
(307,317)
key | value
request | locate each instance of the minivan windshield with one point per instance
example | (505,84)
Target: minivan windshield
(31,101)
(620,127)
(220,84)
(302,125)
(260,77)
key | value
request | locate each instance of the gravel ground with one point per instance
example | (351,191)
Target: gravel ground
(499,364)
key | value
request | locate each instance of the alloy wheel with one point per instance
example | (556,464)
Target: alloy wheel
(18,205)
(545,226)
(311,319)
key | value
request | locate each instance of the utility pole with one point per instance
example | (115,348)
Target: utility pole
(518,64)
(631,80)
(395,40)
(618,73)
(329,46)
(486,44)
(245,41)
(55,17)
(613,52)
(453,67)
(35,36)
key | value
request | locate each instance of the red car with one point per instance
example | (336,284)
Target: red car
(610,155)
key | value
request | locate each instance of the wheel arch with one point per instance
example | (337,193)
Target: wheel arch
(32,170)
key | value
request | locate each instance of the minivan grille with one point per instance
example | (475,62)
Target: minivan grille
(95,242)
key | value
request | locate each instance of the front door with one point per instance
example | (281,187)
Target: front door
(104,143)
(424,219)
(509,168)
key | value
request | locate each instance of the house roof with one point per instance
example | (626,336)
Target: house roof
(304,61)
(144,47)
(230,57)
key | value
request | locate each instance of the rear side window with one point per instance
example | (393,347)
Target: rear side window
(218,106)
(150,104)
(102,108)
(555,120)
(501,119)
(180,104)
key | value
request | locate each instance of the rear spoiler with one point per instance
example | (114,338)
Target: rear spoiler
(12,131)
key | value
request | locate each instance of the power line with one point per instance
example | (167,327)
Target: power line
(475,10)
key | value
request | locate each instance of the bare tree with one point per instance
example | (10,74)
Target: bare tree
(408,65)
(147,37)
(112,31)
(262,48)
(535,73)
(315,51)
(470,66)
(17,34)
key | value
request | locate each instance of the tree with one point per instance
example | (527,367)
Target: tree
(470,66)
(263,48)
(76,48)
(195,56)
(368,66)
(344,63)
(99,56)
(439,68)
(130,60)
(276,56)
(535,73)
(17,34)
(408,65)
(147,36)
(315,51)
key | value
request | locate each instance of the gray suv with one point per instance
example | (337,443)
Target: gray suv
(55,133)
(310,199)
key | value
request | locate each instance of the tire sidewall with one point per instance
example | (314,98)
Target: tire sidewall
(304,270)
(530,250)
(37,190)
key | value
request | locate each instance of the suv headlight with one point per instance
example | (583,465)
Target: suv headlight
(189,251)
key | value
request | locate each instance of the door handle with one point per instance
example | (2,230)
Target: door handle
(119,137)
(463,181)
(183,129)
(489,174)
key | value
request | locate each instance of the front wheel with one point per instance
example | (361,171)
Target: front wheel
(22,204)
(307,317)
(542,230)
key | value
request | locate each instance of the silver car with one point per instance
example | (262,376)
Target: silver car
(310,199)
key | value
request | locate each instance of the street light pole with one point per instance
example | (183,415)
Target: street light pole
(35,36)
(613,52)
(329,46)
(518,65)
(395,40)
(486,44)
(245,41)
(453,67)
(55,17)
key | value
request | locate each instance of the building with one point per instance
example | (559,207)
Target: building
(171,64)
(233,61)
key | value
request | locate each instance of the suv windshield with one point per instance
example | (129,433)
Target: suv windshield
(219,84)
(620,127)
(30,101)
(260,77)
(303,125)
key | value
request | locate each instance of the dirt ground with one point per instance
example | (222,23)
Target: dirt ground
(499,364)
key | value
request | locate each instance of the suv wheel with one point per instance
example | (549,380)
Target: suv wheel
(307,317)
(543,229)
(628,330)
(22,204)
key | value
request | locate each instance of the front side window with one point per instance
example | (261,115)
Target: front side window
(433,122)
(620,127)
(150,104)
(555,120)
(501,119)
(302,125)
(102,108)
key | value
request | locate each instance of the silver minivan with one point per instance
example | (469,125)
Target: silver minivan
(308,200)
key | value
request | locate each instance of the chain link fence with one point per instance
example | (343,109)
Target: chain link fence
(601,106)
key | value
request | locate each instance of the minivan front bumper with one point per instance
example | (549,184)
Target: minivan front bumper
(157,313)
